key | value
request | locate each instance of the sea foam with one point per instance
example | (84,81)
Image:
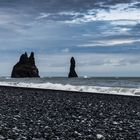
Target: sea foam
(68,87)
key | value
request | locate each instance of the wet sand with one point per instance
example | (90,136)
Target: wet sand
(36,114)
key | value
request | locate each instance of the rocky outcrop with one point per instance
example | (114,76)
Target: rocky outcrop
(25,67)
(72,72)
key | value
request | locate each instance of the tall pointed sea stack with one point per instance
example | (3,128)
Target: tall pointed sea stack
(72,72)
(25,67)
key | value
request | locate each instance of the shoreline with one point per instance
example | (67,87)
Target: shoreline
(28,113)
(69,91)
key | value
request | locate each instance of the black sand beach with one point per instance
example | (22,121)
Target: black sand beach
(46,114)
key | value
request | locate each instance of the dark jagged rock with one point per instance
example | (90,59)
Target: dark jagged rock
(25,67)
(72,72)
(23,58)
(32,59)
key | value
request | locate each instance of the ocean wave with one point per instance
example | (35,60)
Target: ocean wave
(68,87)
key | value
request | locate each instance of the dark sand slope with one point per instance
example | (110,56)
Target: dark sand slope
(53,115)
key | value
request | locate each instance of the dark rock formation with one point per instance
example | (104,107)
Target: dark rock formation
(72,72)
(32,59)
(25,67)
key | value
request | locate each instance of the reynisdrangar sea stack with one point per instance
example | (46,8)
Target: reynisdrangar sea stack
(26,67)
(72,72)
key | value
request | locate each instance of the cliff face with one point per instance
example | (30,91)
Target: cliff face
(25,67)
(72,72)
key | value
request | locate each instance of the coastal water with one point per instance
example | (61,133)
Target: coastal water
(109,85)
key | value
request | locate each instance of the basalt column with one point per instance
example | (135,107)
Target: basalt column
(72,72)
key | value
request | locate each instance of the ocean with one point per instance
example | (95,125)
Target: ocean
(108,85)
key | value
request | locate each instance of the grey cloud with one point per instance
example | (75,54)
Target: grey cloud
(22,27)
(60,5)
(110,61)
(57,10)
(135,30)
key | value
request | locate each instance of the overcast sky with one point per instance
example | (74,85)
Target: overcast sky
(102,35)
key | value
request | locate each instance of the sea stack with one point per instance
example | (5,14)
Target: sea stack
(25,67)
(72,72)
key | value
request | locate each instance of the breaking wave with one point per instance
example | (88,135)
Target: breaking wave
(82,88)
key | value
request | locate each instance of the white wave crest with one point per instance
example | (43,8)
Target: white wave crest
(68,87)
